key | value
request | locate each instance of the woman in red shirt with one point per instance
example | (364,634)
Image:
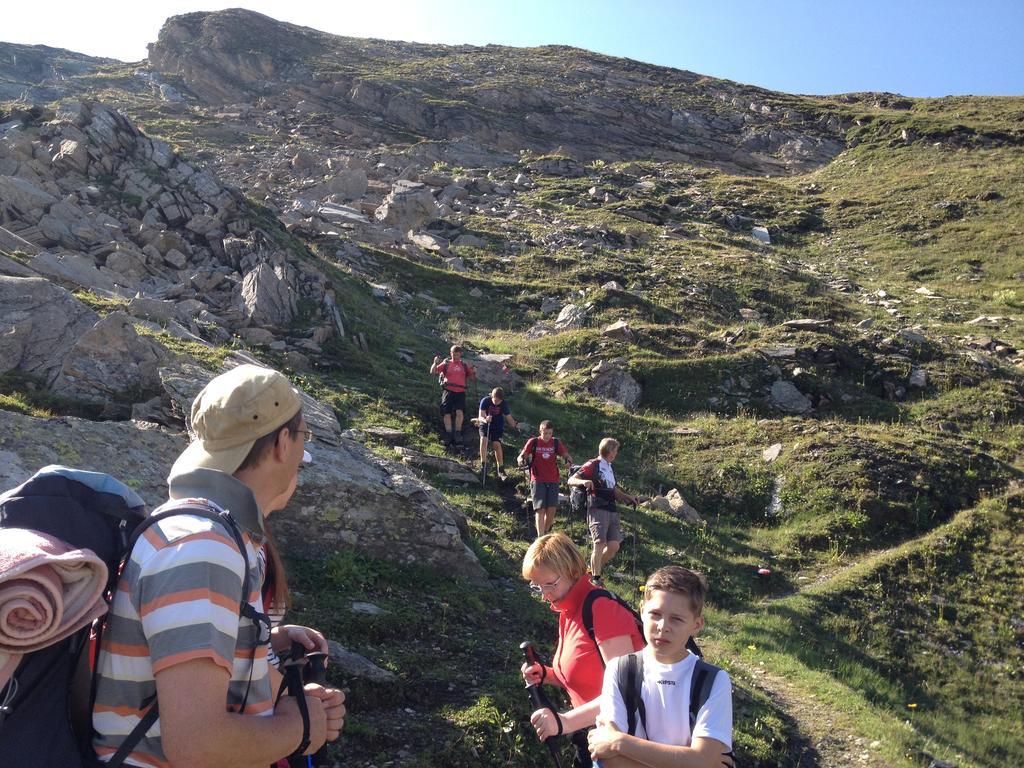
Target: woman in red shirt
(556,570)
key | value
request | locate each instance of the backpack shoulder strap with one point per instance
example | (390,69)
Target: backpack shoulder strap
(225,519)
(587,615)
(629,680)
(700,688)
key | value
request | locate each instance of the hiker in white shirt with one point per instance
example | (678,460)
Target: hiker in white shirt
(666,729)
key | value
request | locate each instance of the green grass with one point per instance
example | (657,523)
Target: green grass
(915,634)
(27,395)
(889,521)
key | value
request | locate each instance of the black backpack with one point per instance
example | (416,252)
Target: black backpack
(587,614)
(46,718)
(629,680)
(579,497)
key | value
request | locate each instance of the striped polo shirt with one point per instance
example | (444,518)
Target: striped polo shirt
(178,600)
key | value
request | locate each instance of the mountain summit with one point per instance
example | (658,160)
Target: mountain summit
(553,98)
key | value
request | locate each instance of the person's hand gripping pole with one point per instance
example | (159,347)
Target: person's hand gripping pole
(540,701)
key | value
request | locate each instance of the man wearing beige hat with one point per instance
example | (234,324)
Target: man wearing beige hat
(183,677)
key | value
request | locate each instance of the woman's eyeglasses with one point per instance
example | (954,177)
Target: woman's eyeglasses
(541,588)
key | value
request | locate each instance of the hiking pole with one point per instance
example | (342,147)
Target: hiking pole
(540,700)
(294,672)
(636,533)
(476,402)
(300,668)
(487,455)
(316,672)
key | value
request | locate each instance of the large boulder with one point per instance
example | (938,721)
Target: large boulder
(112,363)
(349,184)
(23,199)
(492,371)
(572,316)
(558,166)
(409,205)
(72,155)
(618,330)
(674,504)
(77,270)
(136,453)
(786,397)
(39,324)
(349,497)
(269,295)
(617,386)
(183,380)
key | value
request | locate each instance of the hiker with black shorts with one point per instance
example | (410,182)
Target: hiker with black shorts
(494,414)
(602,515)
(541,455)
(454,373)
(593,629)
(182,676)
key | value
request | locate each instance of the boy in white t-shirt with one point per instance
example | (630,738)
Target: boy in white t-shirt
(669,729)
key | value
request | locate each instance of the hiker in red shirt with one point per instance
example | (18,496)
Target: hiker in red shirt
(454,373)
(556,571)
(540,455)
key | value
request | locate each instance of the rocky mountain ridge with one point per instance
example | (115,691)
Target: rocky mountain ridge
(810,367)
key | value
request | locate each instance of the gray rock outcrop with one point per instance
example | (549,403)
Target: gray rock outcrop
(674,504)
(617,386)
(408,206)
(572,316)
(786,397)
(111,362)
(348,497)
(493,371)
(269,295)
(182,381)
(39,324)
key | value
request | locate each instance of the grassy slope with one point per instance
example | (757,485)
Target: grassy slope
(869,476)
(896,511)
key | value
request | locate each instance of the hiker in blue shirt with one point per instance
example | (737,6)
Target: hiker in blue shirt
(494,414)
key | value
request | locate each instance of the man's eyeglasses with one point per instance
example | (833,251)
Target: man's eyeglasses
(540,588)
(308,433)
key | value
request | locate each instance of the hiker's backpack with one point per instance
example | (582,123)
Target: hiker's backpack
(579,496)
(86,510)
(587,614)
(629,679)
(47,719)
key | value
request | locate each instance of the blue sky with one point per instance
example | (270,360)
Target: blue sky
(914,47)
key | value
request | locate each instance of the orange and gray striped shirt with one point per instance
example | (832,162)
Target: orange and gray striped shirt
(176,601)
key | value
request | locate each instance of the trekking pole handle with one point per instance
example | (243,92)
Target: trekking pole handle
(529,652)
(541,701)
(536,695)
(317,671)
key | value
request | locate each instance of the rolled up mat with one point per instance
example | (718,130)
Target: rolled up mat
(48,591)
